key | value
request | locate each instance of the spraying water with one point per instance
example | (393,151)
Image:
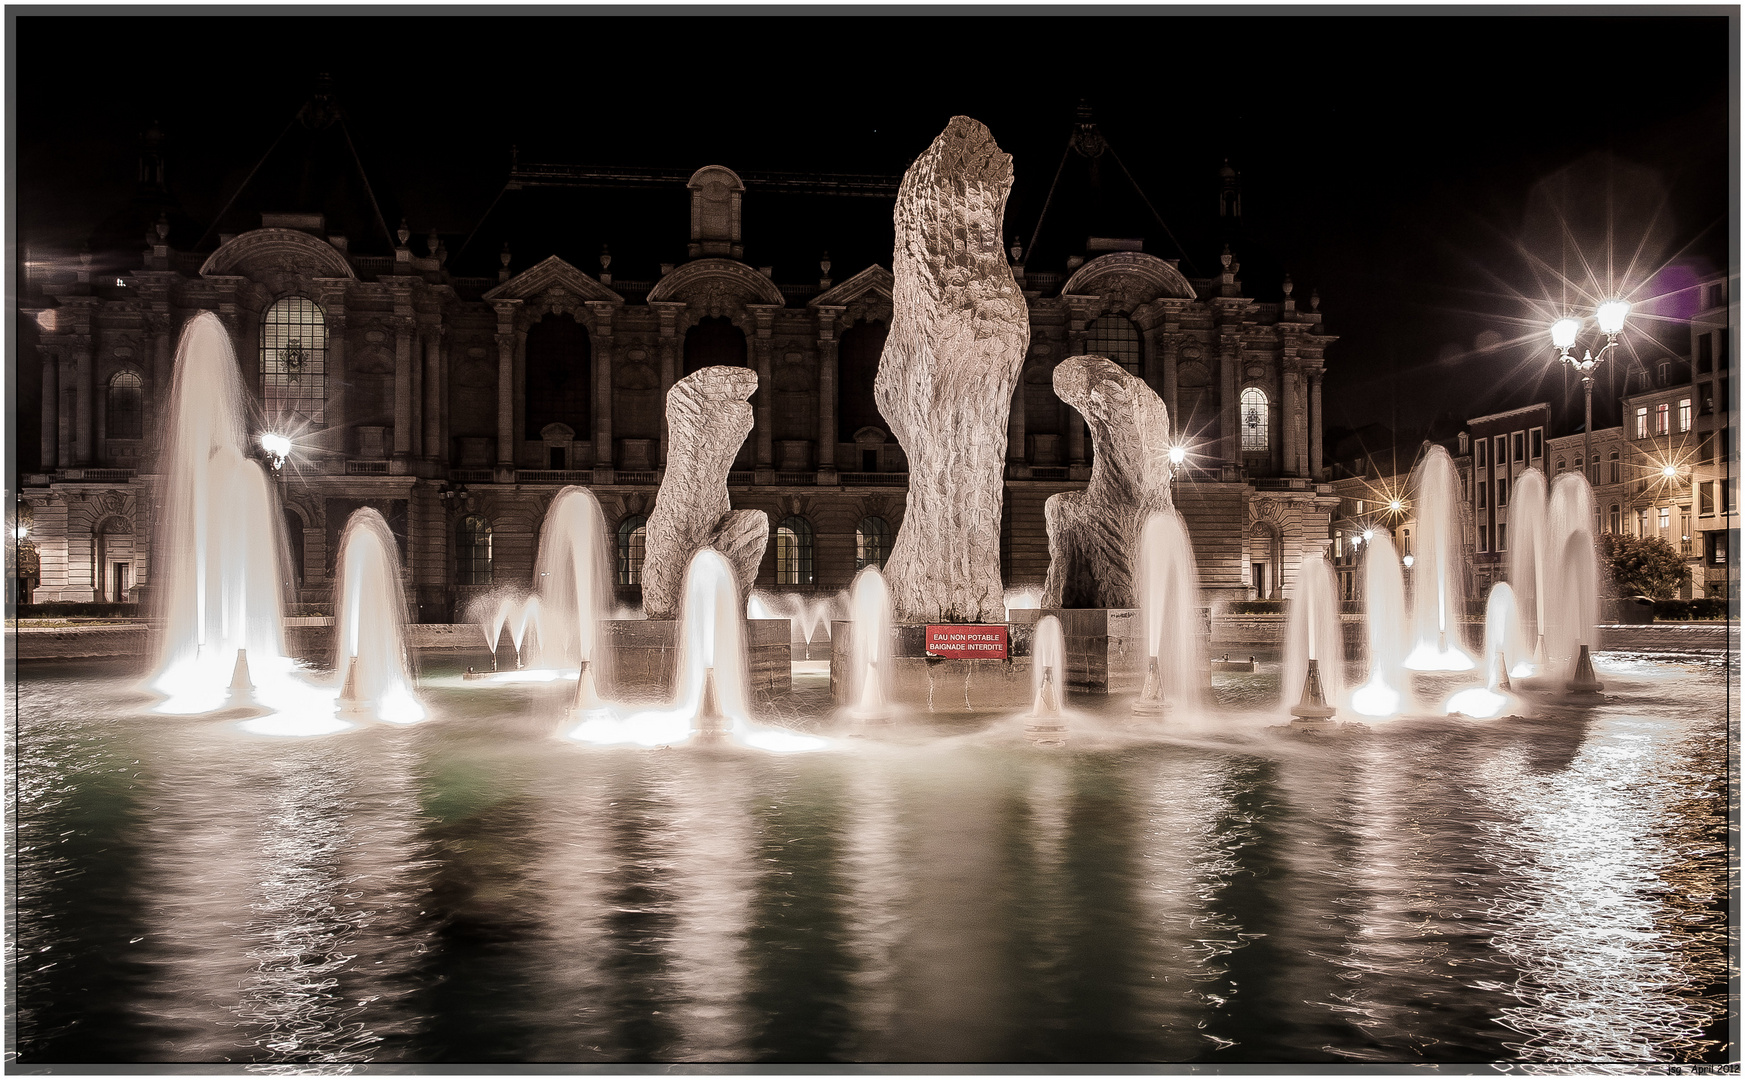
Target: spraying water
(1027,598)
(1572,600)
(1527,562)
(370,624)
(1169,611)
(1503,646)
(869,605)
(1312,632)
(1438,585)
(220,552)
(1046,723)
(1385,620)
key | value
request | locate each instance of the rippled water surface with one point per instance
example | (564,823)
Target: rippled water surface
(475,889)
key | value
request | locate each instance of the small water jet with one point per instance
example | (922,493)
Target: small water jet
(1503,647)
(1438,585)
(1314,648)
(1528,542)
(1385,621)
(1046,722)
(370,624)
(1169,611)
(869,605)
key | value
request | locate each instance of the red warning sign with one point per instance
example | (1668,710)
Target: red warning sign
(967,642)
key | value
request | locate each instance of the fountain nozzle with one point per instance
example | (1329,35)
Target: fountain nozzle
(1583,683)
(349,702)
(239,678)
(711,721)
(1046,725)
(1150,700)
(587,697)
(1313,708)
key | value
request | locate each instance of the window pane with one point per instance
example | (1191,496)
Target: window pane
(871,543)
(124,418)
(294,360)
(1254,420)
(1115,337)
(632,539)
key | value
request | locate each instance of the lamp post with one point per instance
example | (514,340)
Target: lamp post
(1610,316)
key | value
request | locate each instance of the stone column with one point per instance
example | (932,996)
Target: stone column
(760,350)
(403,388)
(1229,431)
(338,373)
(66,411)
(506,384)
(85,434)
(162,368)
(444,445)
(1015,422)
(828,373)
(1075,423)
(51,410)
(1315,425)
(669,326)
(604,358)
(1169,355)
(1287,416)
(432,445)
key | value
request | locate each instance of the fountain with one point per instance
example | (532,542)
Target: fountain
(1169,604)
(574,579)
(369,624)
(220,551)
(1385,621)
(1503,646)
(1046,722)
(1438,586)
(1572,603)
(1314,648)
(1527,566)
(869,605)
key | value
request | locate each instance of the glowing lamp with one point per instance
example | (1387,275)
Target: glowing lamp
(1177,454)
(1670,472)
(1396,505)
(1563,332)
(1611,315)
(21,530)
(276,445)
(1369,534)
(1407,561)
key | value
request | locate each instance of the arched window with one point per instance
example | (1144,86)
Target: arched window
(560,374)
(1593,468)
(1614,460)
(294,360)
(632,542)
(714,342)
(872,543)
(125,416)
(794,552)
(1617,519)
(472,551)
(1115,337)
(1254,420)
(1560,467)
(857,365)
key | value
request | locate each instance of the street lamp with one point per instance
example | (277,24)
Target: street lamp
(278,448)
(1610,316)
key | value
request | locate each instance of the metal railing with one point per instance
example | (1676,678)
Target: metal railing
(743,478)
(471,476)
(101,476)
(636,476)
(876,479)
(554,476)
(796,478)
(1048,472)
(366,468)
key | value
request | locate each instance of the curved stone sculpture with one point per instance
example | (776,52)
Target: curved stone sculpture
(1093,535)
(708,417)
(958,335)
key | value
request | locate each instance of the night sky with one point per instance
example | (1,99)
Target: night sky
(1411,167)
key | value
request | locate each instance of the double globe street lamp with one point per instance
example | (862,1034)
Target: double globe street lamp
(1610,317)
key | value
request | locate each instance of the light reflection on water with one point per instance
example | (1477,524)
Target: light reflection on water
(478,889)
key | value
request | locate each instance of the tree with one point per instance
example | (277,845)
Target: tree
(1643,565)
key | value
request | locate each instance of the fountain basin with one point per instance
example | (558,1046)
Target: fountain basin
(1105,653)
(645,654)
(941,684)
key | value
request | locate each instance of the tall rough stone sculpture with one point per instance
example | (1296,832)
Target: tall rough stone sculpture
(959,331)
(708,416)
(1093,535)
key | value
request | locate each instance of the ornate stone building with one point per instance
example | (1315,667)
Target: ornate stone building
(459,405)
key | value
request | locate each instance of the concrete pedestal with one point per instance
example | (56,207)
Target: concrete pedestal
(1105,653)
(645,654)
(937,684)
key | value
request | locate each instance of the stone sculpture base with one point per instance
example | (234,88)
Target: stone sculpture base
(936,684)
(645,655)
(1105,653)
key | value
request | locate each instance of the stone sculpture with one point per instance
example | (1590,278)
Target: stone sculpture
(708,416)
(959,331)
(1093,535)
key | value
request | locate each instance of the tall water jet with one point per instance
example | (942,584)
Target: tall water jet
(574,577)
(1169,610)
(1572,603)
(711,687)
(1314,648)
(370,624)
(220,551)
(1046,722)
(1503,646)
(1384,593)
(869,606)
(1438,583)
(1528,568)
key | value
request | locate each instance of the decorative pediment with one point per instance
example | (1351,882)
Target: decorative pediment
(285,250)
(874,280)
(552,280)
(716,283)
(1131,276)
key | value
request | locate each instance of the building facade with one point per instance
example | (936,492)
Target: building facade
(459,406)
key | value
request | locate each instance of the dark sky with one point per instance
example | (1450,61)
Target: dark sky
(1399,163)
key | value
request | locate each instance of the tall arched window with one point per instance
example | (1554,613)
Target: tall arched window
(1593,468)
(124,417)
(794,552)
(1614,466)
(472,551)
(872,543)
(1254,420)
(1560,467)
(632,542)
(857,365)
(294,361)
(1115,337)
(560,374)
(714,342)
(1617,519)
